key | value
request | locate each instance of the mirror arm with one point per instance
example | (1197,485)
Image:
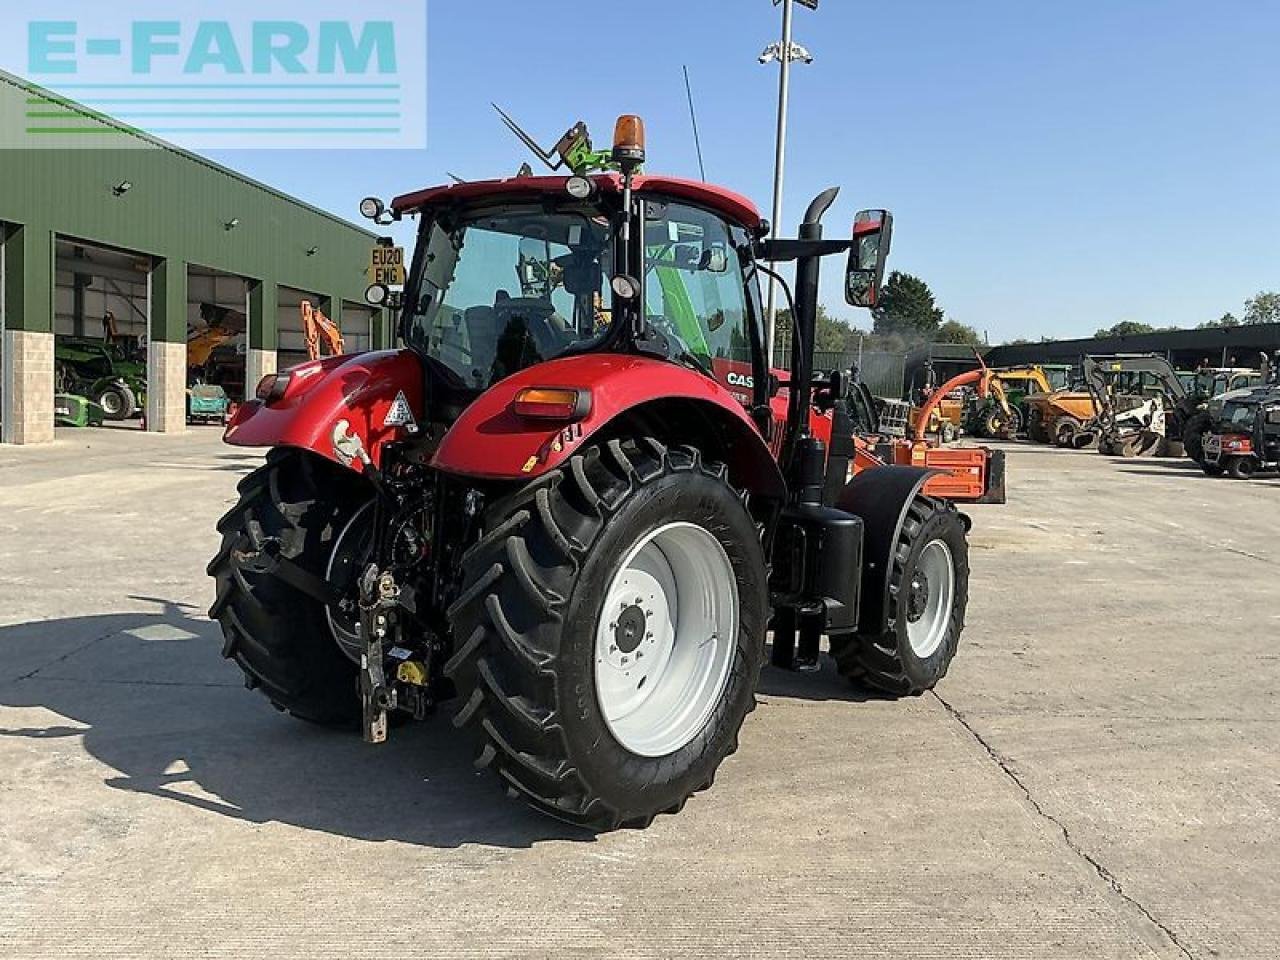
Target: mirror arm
(784,251)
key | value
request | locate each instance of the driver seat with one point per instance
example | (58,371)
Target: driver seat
(482,325)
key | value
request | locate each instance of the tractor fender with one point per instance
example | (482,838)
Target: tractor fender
(361,389)
(881,497)
(489,441)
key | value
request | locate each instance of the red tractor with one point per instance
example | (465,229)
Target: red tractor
(577,501)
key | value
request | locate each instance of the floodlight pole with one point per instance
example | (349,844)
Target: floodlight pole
(779,163)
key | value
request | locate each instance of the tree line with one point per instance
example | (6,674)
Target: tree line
(908,315)
(1264,307)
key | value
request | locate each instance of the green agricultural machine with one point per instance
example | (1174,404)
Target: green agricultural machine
(70,410)
(101,372)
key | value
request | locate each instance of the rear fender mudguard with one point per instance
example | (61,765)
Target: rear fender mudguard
(360,389)
(489,441)
(881,497)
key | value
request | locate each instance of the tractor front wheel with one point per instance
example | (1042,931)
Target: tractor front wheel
(117,402)
(610,632)
(1241,468)
(928,593)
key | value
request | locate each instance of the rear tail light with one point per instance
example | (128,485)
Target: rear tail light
(552,403)
(272,387)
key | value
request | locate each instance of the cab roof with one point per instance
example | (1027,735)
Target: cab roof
(732,206)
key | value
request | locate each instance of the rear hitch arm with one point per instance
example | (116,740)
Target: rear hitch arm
(379,600)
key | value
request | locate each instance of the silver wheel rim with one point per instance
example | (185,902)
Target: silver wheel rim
(111,403)
(665,639)
(931,595)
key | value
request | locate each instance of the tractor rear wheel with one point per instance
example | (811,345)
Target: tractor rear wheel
(610,633)
(928,593)
(284,639)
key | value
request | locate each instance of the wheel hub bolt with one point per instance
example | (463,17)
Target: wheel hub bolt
(629,629)
(917,597)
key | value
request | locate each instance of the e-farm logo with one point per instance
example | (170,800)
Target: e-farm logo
(314,75)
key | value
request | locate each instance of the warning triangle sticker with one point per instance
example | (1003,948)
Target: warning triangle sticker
(400,414)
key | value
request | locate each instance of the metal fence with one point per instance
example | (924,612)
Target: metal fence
(881,372)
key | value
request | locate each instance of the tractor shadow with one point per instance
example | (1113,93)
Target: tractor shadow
(151,697)
(1179,469)
(1173,472)
(823,684)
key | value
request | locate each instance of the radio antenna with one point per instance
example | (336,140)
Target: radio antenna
(693,118)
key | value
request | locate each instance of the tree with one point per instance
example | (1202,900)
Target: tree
(1264,307)
(953,331)
(907,309)
(1228,319)
(831,336)
(1125,328)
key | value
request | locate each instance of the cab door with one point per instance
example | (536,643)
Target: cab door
(700,291)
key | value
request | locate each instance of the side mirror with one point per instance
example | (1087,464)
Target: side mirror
(872,238)
(534,268)
(715,259)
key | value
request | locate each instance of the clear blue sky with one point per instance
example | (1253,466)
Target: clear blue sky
(1053,167)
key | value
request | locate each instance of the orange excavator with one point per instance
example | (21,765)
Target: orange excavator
(319,329)
(965,474)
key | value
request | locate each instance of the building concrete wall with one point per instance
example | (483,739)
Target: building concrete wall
(28,395)
(258,363)
(166,387)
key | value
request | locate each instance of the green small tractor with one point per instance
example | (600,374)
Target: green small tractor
(101,372)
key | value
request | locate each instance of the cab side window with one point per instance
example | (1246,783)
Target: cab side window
(695,290)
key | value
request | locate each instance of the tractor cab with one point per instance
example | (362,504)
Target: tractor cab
(510,274)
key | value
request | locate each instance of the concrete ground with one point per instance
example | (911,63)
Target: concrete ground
(1098,776)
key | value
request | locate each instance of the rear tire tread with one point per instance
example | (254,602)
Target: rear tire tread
(514,704)
(278,637)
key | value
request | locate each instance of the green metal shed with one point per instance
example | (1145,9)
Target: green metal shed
(172,212)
